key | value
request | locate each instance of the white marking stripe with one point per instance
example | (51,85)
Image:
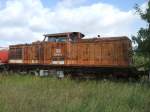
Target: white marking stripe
(58,62)
(34,61)
(15,61)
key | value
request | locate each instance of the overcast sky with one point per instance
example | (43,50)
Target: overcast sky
(24,21)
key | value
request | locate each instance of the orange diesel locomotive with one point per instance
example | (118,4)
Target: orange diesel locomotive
(71,53)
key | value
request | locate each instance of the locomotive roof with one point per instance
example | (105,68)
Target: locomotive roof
(62,34)
(94,39)
(97,39)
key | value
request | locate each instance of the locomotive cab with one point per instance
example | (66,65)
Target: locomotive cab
(63,37)
(60,44)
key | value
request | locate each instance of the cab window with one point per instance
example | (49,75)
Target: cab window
(57,39)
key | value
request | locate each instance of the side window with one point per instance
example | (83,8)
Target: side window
(57,39)
(73,37)
(51,39)
(61,39)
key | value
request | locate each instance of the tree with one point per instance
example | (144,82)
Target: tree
(143,37)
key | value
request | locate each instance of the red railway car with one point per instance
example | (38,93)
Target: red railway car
(71,53)
(3,55)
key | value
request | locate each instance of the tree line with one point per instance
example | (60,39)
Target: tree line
(142,39)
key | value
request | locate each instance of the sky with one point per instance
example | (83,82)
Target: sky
(25,21)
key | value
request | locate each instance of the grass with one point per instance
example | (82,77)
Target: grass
(35,94)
